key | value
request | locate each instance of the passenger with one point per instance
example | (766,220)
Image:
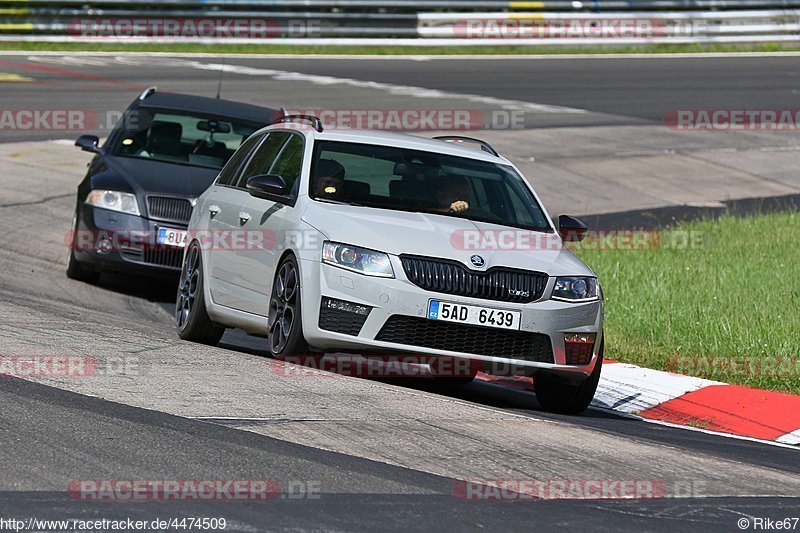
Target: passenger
(328,179)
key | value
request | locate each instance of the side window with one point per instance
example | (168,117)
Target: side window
(231,169)
(264,156)
(290,161)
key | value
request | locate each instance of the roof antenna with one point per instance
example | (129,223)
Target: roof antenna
(221,72)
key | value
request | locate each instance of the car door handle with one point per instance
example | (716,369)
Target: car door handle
(244,217)
(214,210)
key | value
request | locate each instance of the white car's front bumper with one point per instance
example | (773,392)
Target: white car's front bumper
(398,296)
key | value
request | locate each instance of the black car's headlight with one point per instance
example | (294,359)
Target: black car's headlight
(361,260)
(124,202)
(576,289)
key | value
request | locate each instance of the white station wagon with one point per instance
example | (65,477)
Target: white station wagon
(385,243)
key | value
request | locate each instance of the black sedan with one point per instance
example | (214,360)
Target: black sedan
(135,202)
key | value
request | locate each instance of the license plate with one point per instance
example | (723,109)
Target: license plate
(171,237)
(473,314)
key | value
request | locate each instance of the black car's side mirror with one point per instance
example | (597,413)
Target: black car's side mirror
(571,229)
(267,186)
(88,143)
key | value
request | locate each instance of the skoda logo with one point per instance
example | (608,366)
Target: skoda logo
(477,261)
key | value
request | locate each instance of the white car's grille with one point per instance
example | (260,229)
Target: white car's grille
(451,277)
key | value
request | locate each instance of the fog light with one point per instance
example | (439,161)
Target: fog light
(104,246)
(349,307)
(580,337)
(340,316)
(578,347)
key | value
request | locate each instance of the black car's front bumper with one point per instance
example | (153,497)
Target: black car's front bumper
(117,242)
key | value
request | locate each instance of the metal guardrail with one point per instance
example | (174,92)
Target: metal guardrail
(417,6)
(404,22)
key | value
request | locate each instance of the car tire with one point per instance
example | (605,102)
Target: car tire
(285,319)
(191,317)
(78,272)
(560,397)
(75,270)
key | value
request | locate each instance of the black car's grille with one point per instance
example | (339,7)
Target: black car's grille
(426,333)
(451,277)
(168,208)
(167,257)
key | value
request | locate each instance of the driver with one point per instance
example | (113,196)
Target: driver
(452,195)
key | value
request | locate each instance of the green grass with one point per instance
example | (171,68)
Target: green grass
(384,50)
(735,299)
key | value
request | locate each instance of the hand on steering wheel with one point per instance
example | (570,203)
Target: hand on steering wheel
(459,206)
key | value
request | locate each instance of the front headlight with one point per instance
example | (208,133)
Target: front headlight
(124,202)
(576,289)
(361,260)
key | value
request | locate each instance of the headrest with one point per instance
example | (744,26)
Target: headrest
(328,168)
(166,130)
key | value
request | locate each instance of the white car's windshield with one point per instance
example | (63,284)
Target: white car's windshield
(410,180)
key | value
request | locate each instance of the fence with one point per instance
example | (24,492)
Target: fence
(402,22)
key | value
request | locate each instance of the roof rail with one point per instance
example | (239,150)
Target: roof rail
(316,123)
(147,92)
(486,147)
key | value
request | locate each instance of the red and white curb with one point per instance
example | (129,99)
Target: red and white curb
(697,403)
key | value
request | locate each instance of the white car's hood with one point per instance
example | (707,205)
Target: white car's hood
(447,237)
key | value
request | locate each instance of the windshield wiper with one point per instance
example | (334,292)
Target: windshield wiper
(473,218)
(340,202)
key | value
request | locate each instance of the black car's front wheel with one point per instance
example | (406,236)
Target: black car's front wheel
(75,270)
(559,397)
(285,322)
(191,317)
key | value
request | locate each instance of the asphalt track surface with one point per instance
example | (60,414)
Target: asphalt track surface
(612,91)
(386,454)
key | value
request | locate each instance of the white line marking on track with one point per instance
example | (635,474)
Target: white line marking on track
(396,90)
(720,434)
(786,441)
(316,79)
(792,439)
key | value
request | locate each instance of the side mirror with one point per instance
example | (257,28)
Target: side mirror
(88,143)
(571,229)
(267,186)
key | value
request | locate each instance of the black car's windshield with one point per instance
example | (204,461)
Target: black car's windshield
(179,137)
(410,180)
